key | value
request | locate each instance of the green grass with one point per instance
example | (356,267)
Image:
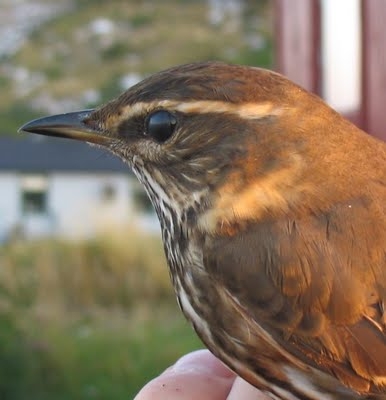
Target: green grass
(89,320)
(108,356)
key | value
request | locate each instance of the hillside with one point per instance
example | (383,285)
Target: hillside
(81,53)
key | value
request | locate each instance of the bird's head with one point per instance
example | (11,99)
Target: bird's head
(233,142)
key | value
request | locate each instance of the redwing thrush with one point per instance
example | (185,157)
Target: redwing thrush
(273,216)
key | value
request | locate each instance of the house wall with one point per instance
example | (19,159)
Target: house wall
(79,205)
(9,204)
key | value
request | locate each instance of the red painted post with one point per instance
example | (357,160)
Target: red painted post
(374,67)
(297,47)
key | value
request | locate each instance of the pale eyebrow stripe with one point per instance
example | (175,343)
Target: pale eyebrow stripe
(243,110)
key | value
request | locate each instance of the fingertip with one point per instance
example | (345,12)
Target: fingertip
(198,375)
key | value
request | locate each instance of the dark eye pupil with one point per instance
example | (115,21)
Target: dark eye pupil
(160,125)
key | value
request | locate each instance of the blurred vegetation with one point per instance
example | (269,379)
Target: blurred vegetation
(98,319)
(86,320)
(95,44)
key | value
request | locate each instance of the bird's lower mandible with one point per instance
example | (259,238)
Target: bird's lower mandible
(273,213)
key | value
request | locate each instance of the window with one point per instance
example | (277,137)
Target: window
(34,194)
(108,193)
(342,54)
(34,202)
(141,200)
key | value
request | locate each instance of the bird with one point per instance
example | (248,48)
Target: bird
(272,208)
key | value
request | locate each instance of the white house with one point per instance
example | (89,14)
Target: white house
(59,187)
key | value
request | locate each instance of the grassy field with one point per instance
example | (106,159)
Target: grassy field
(92,320)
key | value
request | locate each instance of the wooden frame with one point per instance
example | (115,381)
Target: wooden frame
(298,52)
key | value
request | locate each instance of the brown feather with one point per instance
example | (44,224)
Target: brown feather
(273,215)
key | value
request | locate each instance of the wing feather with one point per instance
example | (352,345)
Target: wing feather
(317,282)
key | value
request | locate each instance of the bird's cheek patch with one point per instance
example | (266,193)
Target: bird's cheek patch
(237,202)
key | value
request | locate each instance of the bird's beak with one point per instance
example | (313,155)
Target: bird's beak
(70,125)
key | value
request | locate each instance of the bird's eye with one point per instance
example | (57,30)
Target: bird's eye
(160,125)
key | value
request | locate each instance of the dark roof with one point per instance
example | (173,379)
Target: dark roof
(43,154)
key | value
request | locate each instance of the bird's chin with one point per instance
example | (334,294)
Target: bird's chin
(70,125)
(120,149)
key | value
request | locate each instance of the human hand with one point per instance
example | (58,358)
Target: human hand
(199,375)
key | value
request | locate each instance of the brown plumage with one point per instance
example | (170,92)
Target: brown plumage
(273,216)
